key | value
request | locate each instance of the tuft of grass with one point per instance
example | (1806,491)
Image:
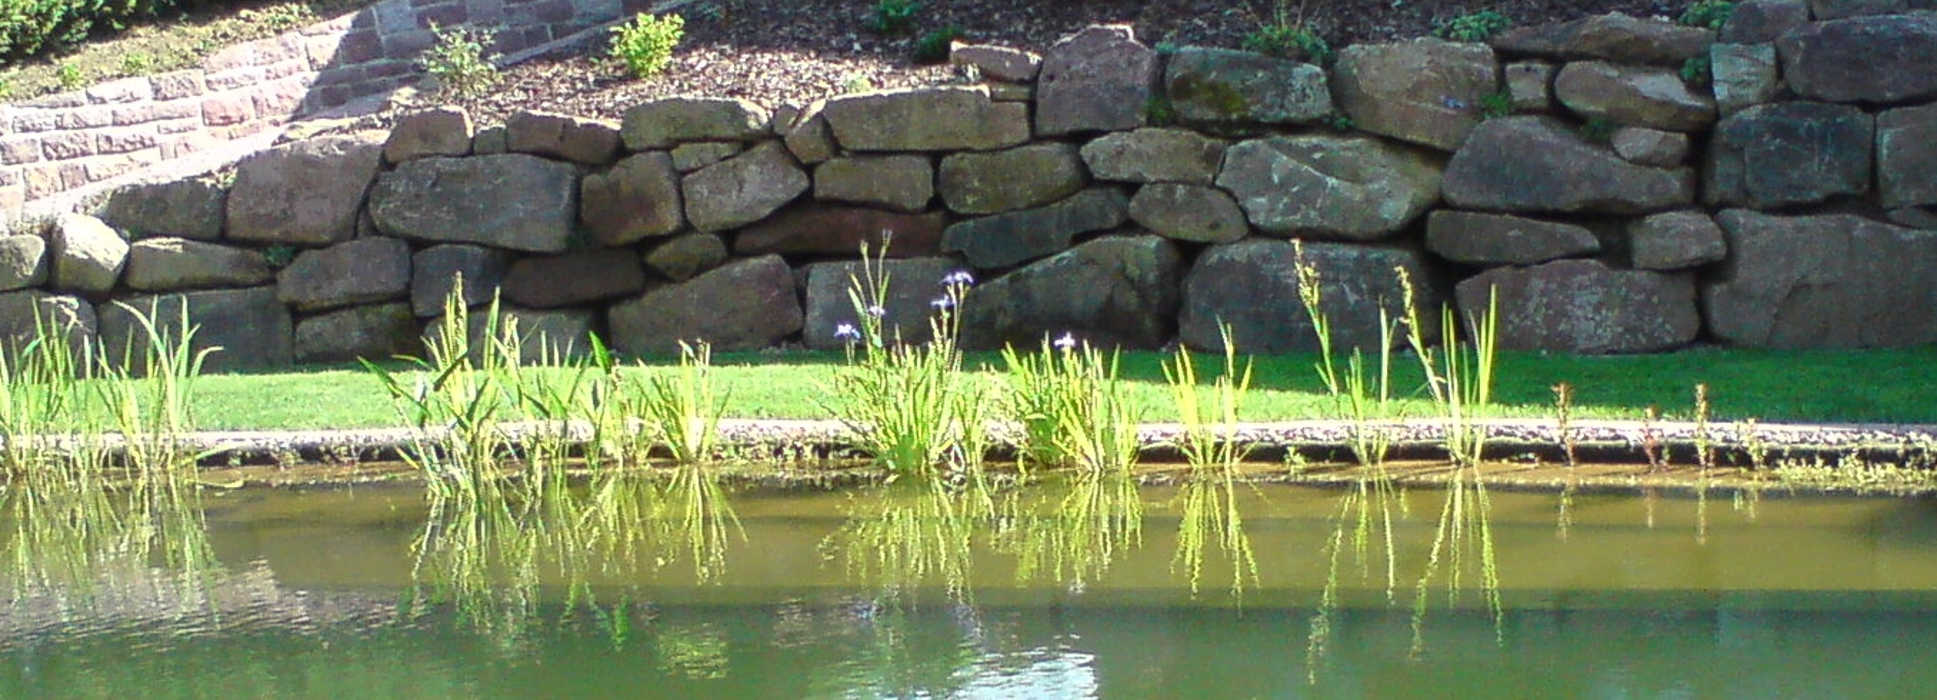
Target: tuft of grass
(1072,407)
(1356,394)
(1707,14)
(1475,26)
(683,408)
(1496,105)
(894,16)
(1290,41)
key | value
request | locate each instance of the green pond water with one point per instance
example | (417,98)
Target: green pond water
(1061,590)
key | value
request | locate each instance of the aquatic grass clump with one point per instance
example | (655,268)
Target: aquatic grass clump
(148,392)
(1209,442)
(1363,397)
(1073,409)
(1073,532)
(1458,378)
(683,409)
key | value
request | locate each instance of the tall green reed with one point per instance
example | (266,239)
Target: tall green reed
(1210,442)
(1458,378)
(149,392)
(683,409)
(1356,392)
(1073,409)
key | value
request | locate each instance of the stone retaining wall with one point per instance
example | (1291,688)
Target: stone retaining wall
(65,141)
(1106,189)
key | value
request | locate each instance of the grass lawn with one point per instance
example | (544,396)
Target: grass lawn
(1769,385)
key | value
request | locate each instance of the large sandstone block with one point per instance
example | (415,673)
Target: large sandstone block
(1789,153)
(1018,236)
(1098,79)
(437,270)
(637,199)
(903,182)
(541,337)
(1744,75)
(577,139)
(1537,164)
(1675,240)
(924,119)
(1650,97)
(1154,155)
(1583,306)
(357,272)
(1612,37)
(1822,281)
(190,208)
(1252,286)
(85,255)
(1425,91)
(1862,59)
(246,328)
(1188,212)
(680,257)
(1906,156)
(821,229)
(998,62)
(1349,187)
(742,189)
(1112,291)
(24,313)
(578,277)
(172,264)
(667,122)
(514,201)
(438,131)
(1476,238)
(1760,21)
(23,262)
(1017,178)
(914,285)
(376,332)
(1222,86)
(302,193)
(744,305)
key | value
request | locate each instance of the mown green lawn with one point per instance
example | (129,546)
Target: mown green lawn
(1770,385)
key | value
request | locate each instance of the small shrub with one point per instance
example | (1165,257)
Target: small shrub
(1496,105)
(136,63)
(279,256)
(6,89)
(857,83)
(894,16)
(1696,71)
(1339,121)
(1598,130)
(1708,14)
(1478,26)
(933,46)
(1291,41)
(458,62)
(646,45)
(70,76)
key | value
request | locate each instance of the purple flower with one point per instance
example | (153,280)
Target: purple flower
(961,277)
(846,331)
(1067,342)
(942,303)
(877,311)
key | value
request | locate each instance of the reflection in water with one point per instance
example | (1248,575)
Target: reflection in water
(1366,508)
(916,531)
(1070,532)
(70,536)
(1208,515)
(1463,540)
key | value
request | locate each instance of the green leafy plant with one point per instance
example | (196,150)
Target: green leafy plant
(646,44)
(1709,14)
(1340,121)
(279,256)
(1157,110)
(136,63)
(683,408)
(1477,26)
(894,16)
(1293,41)
(1496,105)
(1696,71)
(933,46)
(1363,396)
(69,76)
(458,63)
(1071,406)
(1598,130)
(1209,440)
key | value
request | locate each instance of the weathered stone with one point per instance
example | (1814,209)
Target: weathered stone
(376,332)
(84,255)
(1425,91)
(577,277)
(904,183)
(1612,37)
(514,201)
(24,313)
(1006,239)
(303,193)
(1530,86)
(998,62)
(356,272)
(172,264)
(438,131)
(542,336)
(1760,21)
(1582,306)
(249,326)
(1662,149)
(742,189)
(1223,86)
(688,157)
(1537,164)
(809,137)
(913,284)
(577,139)
(23,262)
(1097,79)
(1497,239)
(926,119)
(681,257)
(1789,153)
(1632,95)
(666,122)
(820,229)
(1914,217)
(1821,281)
(1188,212)
(1010,92)
(190,208)
(1744,75)
(1154,155)
(1112,291)
(1252,286)
(783,118)
(436,271)
(1675,240)
(1017,178)
(1906,156)
(1862,59)
(744,305)
(1350,187)
(490,141)
(638,198)
(1838,9)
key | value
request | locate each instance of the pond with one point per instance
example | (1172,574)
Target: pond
(682,587)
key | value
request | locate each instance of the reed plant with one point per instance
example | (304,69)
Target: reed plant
(1073,409)
(682,409)
(1458,378)
(149,390)
(1210,443)
(1362,396)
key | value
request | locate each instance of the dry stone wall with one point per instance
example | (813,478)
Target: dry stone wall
(1104,189)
